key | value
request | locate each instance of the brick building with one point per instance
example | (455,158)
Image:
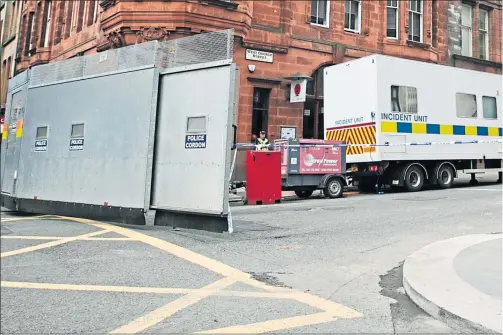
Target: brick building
(9,23)
(279,38)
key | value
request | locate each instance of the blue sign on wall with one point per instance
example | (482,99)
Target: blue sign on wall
(195,141)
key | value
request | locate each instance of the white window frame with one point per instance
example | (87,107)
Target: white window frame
(327,14)
(96,7)
(48,24)
(485,32)
(421,21)
(397,14)
(358,27)
(468,28)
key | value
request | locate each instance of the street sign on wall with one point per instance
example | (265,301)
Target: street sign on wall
(298,91)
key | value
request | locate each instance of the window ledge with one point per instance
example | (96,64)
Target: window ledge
(317,25)
(478,61)
(271,81)
(351,31)
(105,4)
(418,44)
(220,3)
(8,40)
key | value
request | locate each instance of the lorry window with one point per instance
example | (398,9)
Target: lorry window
(77,130)
(489,108)
(404,99)
(466,105)
(41,132)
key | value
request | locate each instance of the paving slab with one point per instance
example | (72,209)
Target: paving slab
(458,280)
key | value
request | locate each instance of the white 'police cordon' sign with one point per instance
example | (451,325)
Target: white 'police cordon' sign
(195,141)
(40,145)
(77,144)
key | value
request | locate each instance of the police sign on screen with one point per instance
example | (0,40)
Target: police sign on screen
(77,144)
(40,145)
(195,141)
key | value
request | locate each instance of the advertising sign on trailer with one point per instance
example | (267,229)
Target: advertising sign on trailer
(319,159)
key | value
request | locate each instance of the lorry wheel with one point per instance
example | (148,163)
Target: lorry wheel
(334,188)
(303,193)
(414,179)
(445,177)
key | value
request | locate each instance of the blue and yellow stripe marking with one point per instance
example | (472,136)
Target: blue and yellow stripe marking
(439,129)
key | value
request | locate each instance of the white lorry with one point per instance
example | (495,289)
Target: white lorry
(409,123)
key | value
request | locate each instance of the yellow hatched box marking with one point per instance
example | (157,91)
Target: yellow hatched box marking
(357,135)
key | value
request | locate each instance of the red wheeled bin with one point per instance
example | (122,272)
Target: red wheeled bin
(263,177)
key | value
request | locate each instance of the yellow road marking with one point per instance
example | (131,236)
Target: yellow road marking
(11,237)
(149,290)
(37,217)
(274,325)
(50,244)
(166,311)
(331,310)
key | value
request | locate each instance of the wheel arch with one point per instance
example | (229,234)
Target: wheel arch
(437,169)
(326,178)
(426,176)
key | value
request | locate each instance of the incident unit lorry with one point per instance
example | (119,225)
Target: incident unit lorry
(409,123)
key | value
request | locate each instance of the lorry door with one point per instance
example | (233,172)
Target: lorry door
(12,146)
(396,144)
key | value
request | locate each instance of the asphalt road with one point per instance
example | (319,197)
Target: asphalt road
(317,265)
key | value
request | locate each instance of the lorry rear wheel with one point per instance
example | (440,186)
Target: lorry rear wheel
(445,177)
(334,188)
(414,179)
(303,193)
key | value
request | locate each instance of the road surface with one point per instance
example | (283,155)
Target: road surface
(314,265)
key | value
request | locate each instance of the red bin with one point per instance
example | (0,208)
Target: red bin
(263,177)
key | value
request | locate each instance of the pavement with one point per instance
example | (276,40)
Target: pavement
(303,266)
(459,281)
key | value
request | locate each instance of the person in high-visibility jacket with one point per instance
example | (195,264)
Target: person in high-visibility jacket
(262,142)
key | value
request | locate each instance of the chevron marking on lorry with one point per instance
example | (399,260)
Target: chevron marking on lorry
(364,133)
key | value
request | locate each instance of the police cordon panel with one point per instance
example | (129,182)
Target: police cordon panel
(125,134)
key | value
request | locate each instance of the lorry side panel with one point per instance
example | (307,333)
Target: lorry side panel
(436,115)
(350,107)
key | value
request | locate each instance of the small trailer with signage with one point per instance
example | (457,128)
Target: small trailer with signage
(412,123)
(308,165)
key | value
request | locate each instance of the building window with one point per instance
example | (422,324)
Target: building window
(489,108)
(46,24)
(75,14)
(260,112)
(352,11)
(483,34)
(96,8)
(415,21)
(404,99)
(466,30)
(392,19)
(319,12)
(28,46)
(466,105)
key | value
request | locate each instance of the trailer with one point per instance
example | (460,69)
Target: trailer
(308,165)
(409,123)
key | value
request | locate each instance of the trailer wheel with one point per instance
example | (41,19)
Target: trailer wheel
(414,179)
(304,194)
(333,188)
(445,177)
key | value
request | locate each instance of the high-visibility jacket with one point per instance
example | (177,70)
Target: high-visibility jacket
(262,144)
